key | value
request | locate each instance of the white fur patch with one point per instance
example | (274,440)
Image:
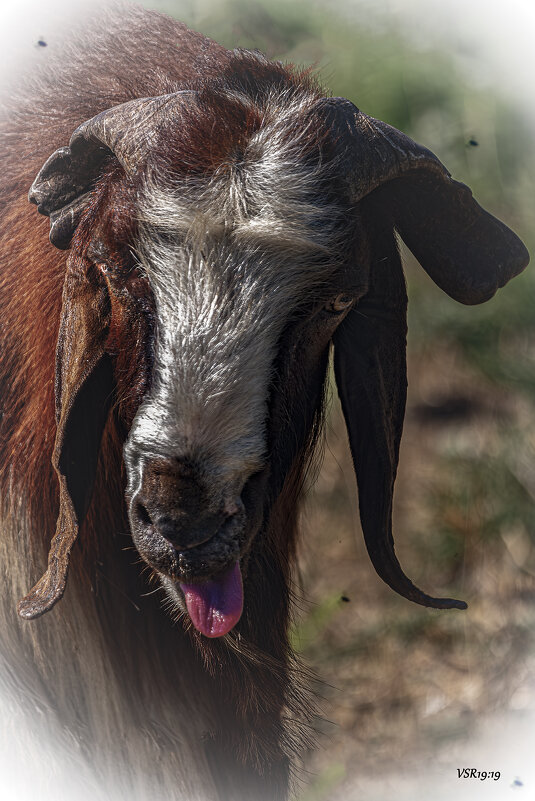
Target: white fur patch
(230,259)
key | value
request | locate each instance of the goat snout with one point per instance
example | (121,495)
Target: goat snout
(182,530)
(181,525)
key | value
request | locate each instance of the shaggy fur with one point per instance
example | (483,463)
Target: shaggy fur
(221,233)
(228,256)
(156,710)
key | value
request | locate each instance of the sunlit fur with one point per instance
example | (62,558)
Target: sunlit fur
(230,259)
(106,682)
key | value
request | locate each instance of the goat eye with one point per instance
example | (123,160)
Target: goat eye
(114,270)
(339,304)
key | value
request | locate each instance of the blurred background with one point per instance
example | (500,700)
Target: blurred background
(410,695)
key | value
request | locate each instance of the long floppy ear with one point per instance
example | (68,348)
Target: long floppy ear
(84,394)
(468,253)
(371,376)
(84,375)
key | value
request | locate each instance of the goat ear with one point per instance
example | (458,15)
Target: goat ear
(84,394)
(371,376)
(62,188)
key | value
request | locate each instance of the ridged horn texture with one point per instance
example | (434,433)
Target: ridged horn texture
(128,131)
(465,250)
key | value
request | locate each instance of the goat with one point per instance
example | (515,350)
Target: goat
(215,223)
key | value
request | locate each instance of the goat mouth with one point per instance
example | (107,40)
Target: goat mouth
(203,581)
(214,606)
(196,564)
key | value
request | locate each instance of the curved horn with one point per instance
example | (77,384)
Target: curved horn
(128,131)
(466,251)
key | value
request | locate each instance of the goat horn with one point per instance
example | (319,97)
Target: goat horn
(129,131)
(378,152)
(466,251)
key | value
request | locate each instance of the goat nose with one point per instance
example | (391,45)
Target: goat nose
(181,530)
(185,533)
(174,503)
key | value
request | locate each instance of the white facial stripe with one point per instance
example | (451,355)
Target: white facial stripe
(228,261)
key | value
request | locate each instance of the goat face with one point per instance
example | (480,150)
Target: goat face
(219,244)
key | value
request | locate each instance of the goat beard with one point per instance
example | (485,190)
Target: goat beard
(215,606)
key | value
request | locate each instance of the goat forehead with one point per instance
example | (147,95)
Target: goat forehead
(226,277)
(220,313)
(248,240)
(229,257)
(264,173)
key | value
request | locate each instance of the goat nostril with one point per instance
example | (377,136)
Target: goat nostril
(230,508)
(143,515)
(183,529)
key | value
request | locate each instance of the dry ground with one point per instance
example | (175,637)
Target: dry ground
(401,683)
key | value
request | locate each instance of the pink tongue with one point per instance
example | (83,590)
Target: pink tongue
(215,606)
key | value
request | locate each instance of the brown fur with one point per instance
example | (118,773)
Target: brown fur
(135,698)
(200,719)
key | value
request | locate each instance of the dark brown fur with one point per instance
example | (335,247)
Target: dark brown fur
(240,689)
(155,707)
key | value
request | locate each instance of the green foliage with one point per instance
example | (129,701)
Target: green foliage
(480,496)
(311,628)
